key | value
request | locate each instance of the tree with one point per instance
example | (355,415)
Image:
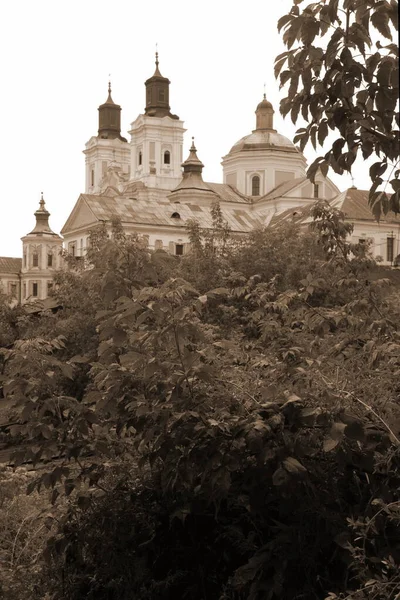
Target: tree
(247,457)
(340,82)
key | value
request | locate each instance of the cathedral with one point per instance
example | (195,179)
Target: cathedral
(148,185)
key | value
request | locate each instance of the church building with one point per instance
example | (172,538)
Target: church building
(148,185)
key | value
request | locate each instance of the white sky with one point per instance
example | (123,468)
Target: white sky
(56,57)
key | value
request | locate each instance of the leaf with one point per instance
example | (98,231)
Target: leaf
(280,477)
(329,444)
(380,20)
(337,431)
(293,466)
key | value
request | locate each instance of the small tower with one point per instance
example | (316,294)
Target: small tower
(157,95)
(157,138)
(192,172)
(110,119)
(107,149)
(192,187)
(41,257)
(265,116)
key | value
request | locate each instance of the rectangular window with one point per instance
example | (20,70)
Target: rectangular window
(35,259)
(92,178)
(24,289)
(13,290)
(49,287)
(34,289)
(72,248)
(316,190)
(49,260)
(158,244)
(390,249)
(179,249)
(24,260)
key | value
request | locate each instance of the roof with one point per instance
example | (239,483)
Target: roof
(227,193)
(298,214)
(158,213)
(263,140)
(283,188)
(10,265)
(354,204)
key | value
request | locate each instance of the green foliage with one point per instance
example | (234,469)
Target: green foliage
(24,528)
(340,83)
(240,440)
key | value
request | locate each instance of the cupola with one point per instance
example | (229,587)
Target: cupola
(110,119)
(192,172)
(157,95)
(42,220)
(265,115)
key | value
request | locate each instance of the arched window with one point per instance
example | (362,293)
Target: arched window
(175,215)
(140,159)
(255,186)
(167,157)
(35,259)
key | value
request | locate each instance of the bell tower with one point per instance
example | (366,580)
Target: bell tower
(41,257)
(157,138)
(108,150)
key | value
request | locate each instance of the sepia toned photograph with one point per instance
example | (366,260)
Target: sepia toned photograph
(200,300)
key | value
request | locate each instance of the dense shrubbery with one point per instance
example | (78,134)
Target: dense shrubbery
(224,441)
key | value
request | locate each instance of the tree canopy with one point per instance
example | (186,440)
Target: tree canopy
(342,75)
(226,442)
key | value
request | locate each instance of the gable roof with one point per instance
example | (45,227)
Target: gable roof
(159,213)
(10,265)
(354,204)
(283,188)
(228,193)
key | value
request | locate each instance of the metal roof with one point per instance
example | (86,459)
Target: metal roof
(159,213)
(354,204)
(10,265)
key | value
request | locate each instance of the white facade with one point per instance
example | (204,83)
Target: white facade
(41,258)
(156,151)
(101,155)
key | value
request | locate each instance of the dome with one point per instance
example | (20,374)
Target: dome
(264,104)
(263,140)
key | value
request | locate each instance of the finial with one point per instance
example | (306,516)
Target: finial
(109,83)
(156,54)
(193,147)
(265,96)
(41,201)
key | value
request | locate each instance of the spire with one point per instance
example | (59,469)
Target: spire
(157,95)
(42,219)
(265,114)
(109,99)
(157,71)
(110,119)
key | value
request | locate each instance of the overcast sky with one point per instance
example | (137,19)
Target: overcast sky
(56,57)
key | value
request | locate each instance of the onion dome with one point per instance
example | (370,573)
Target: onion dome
(157,95)
(110,119)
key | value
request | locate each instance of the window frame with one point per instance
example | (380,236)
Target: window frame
(255,185)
